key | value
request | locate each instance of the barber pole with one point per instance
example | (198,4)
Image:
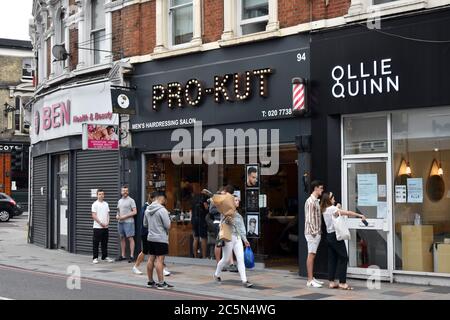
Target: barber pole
(299,97)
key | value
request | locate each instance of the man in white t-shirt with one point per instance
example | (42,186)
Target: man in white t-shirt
(100,215)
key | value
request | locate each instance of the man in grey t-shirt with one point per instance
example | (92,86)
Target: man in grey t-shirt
(126,210)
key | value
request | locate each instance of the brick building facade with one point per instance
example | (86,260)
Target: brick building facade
(154,43)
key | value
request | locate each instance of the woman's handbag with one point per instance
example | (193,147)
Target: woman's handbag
(341,228)
(225,232)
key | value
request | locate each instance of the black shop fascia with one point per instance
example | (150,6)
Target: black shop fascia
(380,102)
(243,89)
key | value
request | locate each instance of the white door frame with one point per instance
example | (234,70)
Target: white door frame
(374,224)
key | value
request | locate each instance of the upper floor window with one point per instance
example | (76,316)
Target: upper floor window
(98,31)
(18,115)
(27,69)
(382,1)
(181,21)
(253,16)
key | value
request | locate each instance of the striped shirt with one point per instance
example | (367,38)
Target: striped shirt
(313,219)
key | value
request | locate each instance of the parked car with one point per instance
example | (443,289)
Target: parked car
(8,208)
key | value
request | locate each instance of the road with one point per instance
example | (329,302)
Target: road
(21,284)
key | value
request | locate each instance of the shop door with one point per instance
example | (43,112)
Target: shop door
(367,190)
(60,196)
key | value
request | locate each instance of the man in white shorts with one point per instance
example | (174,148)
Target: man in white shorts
(313,225)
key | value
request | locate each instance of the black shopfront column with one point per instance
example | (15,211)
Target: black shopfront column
(303,144)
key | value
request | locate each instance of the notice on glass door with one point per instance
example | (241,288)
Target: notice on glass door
(415,190)
(400,194)
(367,190)
(382,209)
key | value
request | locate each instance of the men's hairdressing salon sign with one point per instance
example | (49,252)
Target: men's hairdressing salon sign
(63,113)
(230,85)
(361,70)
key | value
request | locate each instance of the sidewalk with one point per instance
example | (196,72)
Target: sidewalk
(197,279)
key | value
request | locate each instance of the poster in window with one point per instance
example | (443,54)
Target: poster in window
(367,190)
(252,200)
(253,229)
(252,176)
(415,190)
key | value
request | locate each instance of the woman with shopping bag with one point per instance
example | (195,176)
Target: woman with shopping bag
(337,233)
(232,232)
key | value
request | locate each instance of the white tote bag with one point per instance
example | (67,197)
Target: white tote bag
(341,228)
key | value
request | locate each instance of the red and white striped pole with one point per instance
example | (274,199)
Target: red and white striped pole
(299,96)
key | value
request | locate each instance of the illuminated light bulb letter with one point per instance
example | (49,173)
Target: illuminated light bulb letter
(193,86)
(159,94)
(174,94)
(239,82)
(220,88)
(263,75)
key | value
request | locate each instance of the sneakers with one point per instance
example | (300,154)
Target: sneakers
(166,272)
(136,270)
(247,284)
(95,261)
(132,259)
(217,279)
(233,268)
(151,284)
(163,286)
(120,258)
(313,284)
(108,259)
(318,281)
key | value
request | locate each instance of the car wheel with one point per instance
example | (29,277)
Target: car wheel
(4,215)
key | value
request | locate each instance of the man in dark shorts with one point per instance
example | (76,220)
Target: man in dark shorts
(199,226)
(157,221)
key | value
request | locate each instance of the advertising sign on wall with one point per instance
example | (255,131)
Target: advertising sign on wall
(100,137)
(63,113)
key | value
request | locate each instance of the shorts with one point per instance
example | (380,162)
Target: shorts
(145,246)
(199,228)
(313,242)
(158,248)
(126,229)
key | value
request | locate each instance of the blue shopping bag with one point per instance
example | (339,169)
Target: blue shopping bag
(249,258)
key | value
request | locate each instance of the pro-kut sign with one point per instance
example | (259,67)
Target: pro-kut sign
(227,88)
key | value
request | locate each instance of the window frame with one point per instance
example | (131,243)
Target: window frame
(92,32)
(170,21)
(61,39)
(26,78)
(243,22)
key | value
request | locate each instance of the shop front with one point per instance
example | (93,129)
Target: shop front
(385,105)
(223,117)
(14,157)
(65,174)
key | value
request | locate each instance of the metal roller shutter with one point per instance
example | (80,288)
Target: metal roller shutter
(40,208)
(95,170)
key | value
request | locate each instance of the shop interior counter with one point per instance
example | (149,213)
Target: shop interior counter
(180,238)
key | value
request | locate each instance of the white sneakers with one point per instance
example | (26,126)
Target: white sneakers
(314,283)
(107,259)
(318,281)
(136,270)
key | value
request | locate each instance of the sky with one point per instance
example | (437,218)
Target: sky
(14,18)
